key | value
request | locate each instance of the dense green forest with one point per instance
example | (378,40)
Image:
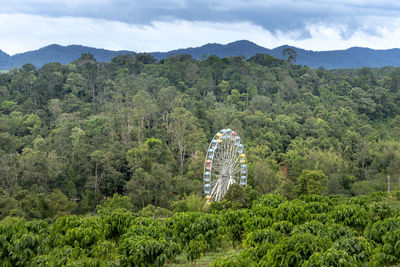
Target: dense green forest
(101,164)
(73,135)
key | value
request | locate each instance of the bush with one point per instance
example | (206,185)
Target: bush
(233,261)
(146,251)
(195,249)
(313,227)
(377,230)
(188,226)
(117,223)
(358,247)
(258,237)
(294,250)
(352,215)
(114,203)
(379,211)
(292,211)
(269,200)
(154,212)
(331,257)
(284,227)
(234,221)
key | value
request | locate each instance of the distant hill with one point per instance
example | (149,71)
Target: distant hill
(244,48)
(56,53)
(355,57)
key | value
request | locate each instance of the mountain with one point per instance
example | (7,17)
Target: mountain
(244,48)
(4,59)
(58,53)
(355,57)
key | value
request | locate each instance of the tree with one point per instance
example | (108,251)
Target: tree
(184,131)
(9,176)
(105,175)
(265,179)
(166,103)
(144,109)
(195,249)
(312,182)
(151,178)
(290,54)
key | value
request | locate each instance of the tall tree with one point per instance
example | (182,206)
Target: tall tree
(183,129)
(144,109)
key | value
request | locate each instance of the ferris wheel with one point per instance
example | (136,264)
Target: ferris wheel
(225,164)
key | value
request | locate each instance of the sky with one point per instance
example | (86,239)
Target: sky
(163,25)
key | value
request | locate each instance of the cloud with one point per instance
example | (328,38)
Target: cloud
(274,16)
(161,25)
(28,32)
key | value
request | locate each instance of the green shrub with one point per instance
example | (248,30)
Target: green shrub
(257,222)
(337,231)
(146,251)
(236,260)
(379,211)
(352,215)
(284,227)
(358,247)
(116,223)
(331,257)
(317,207)
(261,236)
(269,200)
(234,221)
(189,225)
(114,203)
(313,227)
(292,211)
(377,230)
(294,250)
(316,199)
(195,249)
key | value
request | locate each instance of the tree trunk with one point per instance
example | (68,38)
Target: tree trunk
(96,180)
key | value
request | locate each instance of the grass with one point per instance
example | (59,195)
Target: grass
(205,260)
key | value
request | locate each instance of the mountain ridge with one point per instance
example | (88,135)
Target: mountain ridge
(353,57)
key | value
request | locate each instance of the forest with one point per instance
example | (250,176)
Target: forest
(99,161)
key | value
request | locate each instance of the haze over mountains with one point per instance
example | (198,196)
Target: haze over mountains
(355,57)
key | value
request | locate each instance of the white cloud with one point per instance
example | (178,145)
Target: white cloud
(21,32)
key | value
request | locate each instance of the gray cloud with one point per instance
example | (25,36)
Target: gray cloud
(274,16)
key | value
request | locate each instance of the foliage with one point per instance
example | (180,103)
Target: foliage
(294,250)
(312,182)
(236,260)
(358,247)
(331,257)
(352,215)
(116,202)
(139,127)
(191,202)
(154,212)
(110,139)
(195,248)
(293,211)
(269,200)
(144,251)
(314,231)
(191,225)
